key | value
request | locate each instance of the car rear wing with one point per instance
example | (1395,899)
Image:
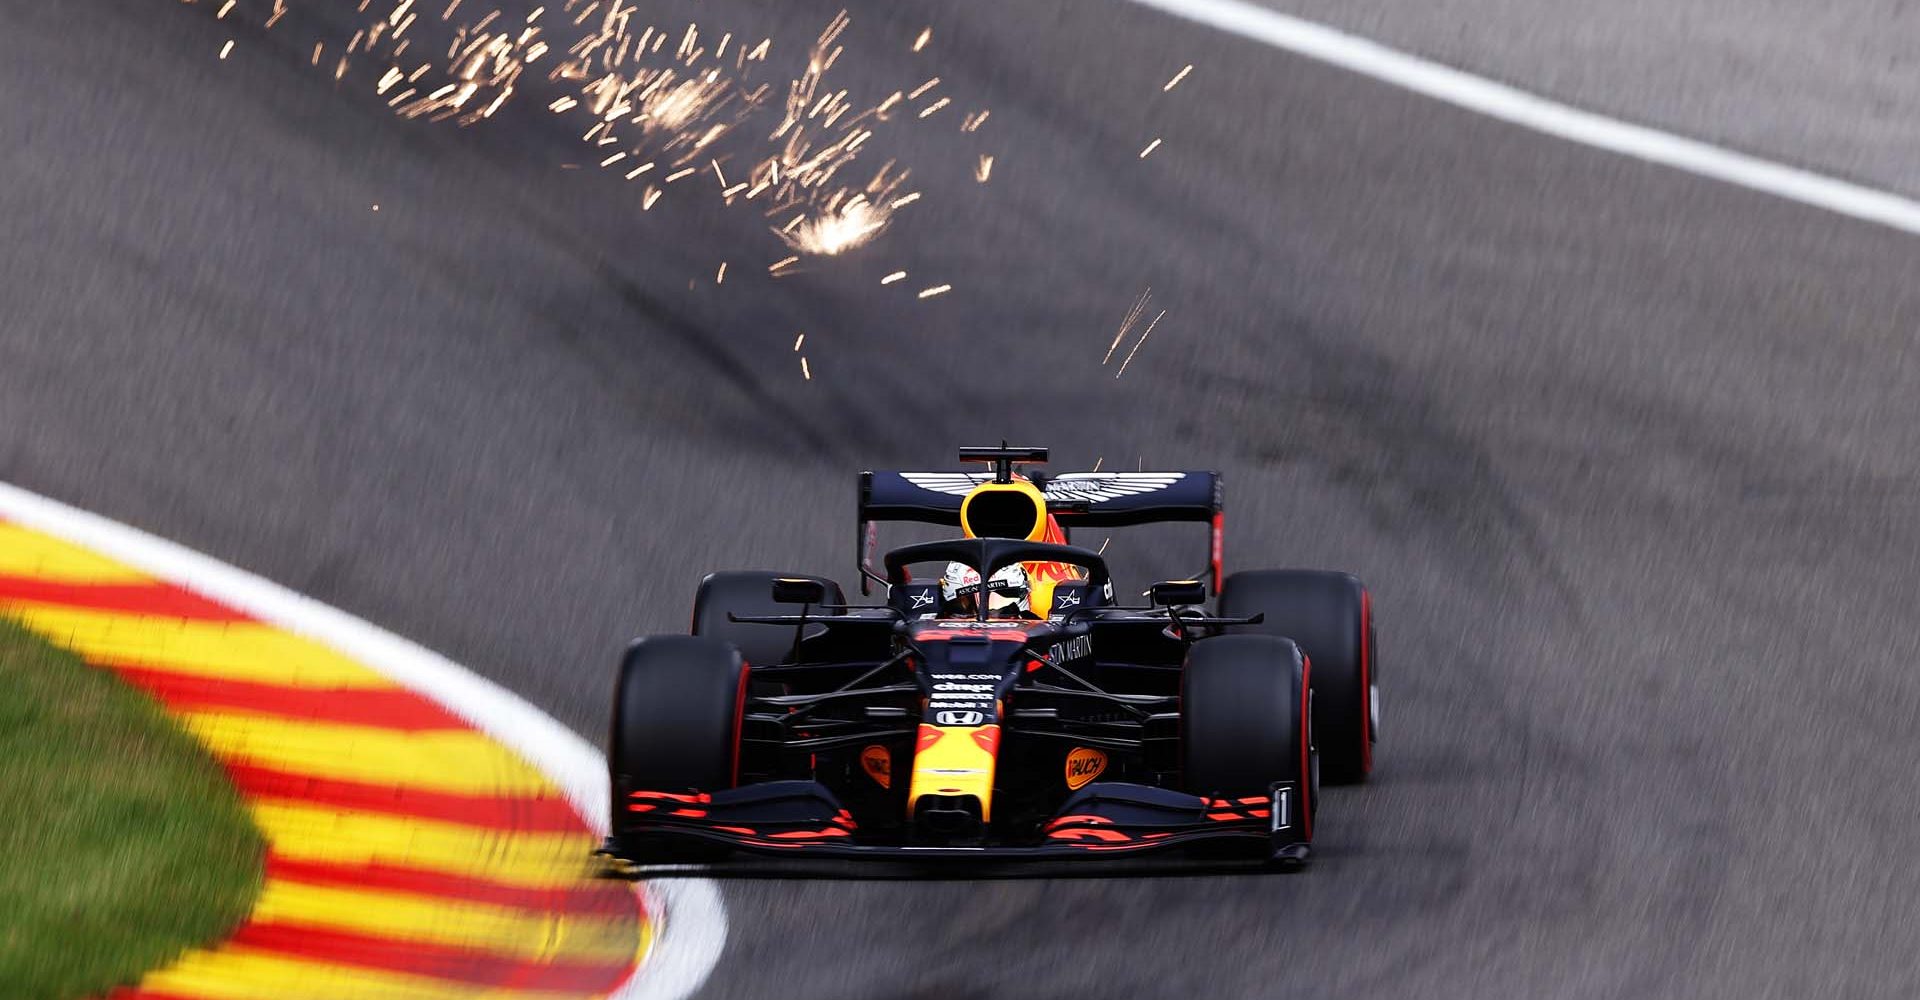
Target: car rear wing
(1075,499)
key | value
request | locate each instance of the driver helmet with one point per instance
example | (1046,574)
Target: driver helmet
(1006,592)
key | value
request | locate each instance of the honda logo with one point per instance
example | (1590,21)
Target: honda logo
(960,718)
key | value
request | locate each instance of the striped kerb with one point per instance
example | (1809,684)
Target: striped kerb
(408,855)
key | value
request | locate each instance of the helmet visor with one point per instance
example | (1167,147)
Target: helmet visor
(1006,602)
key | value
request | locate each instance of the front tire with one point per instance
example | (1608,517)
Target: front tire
(1245,722)
(676,719)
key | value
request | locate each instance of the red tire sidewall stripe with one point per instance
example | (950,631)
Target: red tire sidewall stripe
(1306,745)
(739,717)
(1366,681)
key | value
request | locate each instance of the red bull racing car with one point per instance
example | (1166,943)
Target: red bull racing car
(997,701)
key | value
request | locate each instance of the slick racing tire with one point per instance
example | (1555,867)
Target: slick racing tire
(750,593)
(1244,720)
(676,718)
(1330,616)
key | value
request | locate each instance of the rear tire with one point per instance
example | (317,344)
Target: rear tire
(1244,719)
(1330,616)
(676,719)
(750,593)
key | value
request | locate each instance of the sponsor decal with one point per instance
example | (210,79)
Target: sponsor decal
(878,763)
(956,484)
(968,718)
(951,686)
(1083,765)
(921,600)
(1095,487)
(965,677)
(1067,599)
(1282,812)
(980,625)
(1072,649)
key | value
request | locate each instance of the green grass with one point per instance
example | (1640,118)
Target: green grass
(125,844)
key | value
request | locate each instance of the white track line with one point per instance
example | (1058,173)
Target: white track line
(1510,104)
(689,922)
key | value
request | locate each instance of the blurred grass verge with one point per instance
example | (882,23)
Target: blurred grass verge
(126,844)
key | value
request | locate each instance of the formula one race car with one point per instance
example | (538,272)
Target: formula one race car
(1002,704)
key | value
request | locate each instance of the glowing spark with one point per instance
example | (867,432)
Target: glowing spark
(854,224)
(891,278)
(1177,77)
(984,170)
(1103,545)
(1155,144)
(1136,344)
(935,290)
(1097,461)
(670,107)
(797,341)
(784,262)
(721,277)
(973,121)
(225,9)
(226,49)
(805,372)
(1133,316)
(376,206)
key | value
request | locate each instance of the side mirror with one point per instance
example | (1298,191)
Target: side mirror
(798,590)
(1177,593)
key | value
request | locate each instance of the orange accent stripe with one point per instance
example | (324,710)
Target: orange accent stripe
(549,814)
(154,599)
(387,708)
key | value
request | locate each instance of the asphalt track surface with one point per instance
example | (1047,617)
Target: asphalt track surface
(1823,86)
(1628,458)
